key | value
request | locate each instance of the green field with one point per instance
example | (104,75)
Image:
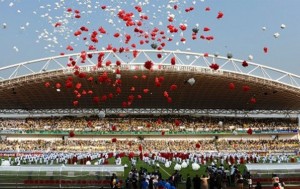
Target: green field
(166,172)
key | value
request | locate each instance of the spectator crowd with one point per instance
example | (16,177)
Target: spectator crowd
(72,145)
(167,123)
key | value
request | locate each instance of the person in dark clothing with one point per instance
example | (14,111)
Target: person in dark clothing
(113,180)
(212,181)
(128,183)
(151,186)
(219,180)
(134,182)
(197,182)
(188,183)
(258,185)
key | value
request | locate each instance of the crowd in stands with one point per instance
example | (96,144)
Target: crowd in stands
(258,145)
(180,123)
(103,145)
(151,145)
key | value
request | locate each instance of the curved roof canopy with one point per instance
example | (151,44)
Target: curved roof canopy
(22,86)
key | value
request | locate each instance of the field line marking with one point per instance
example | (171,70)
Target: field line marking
(165,171)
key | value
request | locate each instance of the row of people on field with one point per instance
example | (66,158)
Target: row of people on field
(166,159)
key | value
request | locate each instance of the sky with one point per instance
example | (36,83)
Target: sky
(28,32)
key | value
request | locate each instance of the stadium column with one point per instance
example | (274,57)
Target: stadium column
(298,127)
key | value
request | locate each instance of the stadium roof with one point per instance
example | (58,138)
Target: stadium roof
(22,86)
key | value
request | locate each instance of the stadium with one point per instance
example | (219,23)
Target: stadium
(149,94)
(208,122)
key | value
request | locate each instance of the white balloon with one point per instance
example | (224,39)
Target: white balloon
(191,81)
(273,137)
(177,167)
(250,57)
(264,28)
(184,165)
(195,166)
(167,164)
(220,123)
(88,163)
(101,114)
(118,76)
(5,163)
(282,26)
(4,25)
(276,35)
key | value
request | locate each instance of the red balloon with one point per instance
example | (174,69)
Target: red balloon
(246,88)
(58,85)
(253,100)
(75,102)
(245,63)
(135,53)
(110,95)
(148,64)
(220,15)
(177,122)
(71,134)
(78,85)
(214,66)
(173,61)
(102,30)
(173,87)
(231,86)
(182,27)
(249,131)
(206,29)
(47,84)
(96,99)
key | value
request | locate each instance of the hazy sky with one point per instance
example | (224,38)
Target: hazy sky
(27,28)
